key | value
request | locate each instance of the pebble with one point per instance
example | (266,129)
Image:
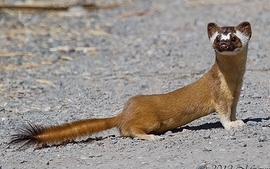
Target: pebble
(251,123)
(243,144)
(259,145)
(207,136)
(202,166)
(169,133)
(207,148)
(114,141)
(262,138)
(170,144)
(231,132)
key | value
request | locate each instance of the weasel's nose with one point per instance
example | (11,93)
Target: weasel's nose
(224,46)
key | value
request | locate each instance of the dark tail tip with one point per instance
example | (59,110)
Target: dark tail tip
(26,135)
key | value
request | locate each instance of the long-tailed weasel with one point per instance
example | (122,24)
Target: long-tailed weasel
(145,115)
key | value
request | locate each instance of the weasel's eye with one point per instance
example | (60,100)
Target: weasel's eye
(233,39)
(218,39)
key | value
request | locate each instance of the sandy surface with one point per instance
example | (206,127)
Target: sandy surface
(63,66)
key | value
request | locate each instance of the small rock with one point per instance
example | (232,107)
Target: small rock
(76,10)
(69,146)
(206,136)
(169,133)
(202,166)
(232,138)
(232,132)
(256,95)
(114,141)
(170,144)
(259,145)
(207,148)
(262,138)
(266,124)
(251,123)
(144,86)
(185,130)
(136,139)
(243,144)
(107,73)
(254,133)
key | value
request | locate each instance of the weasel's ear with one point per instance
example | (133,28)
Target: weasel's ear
(245,28)
(212,28)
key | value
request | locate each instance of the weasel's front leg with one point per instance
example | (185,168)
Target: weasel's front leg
(235,101)
(233,112)
(225,119)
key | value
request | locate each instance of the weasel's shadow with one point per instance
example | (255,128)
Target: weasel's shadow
(214,125)
(88,140)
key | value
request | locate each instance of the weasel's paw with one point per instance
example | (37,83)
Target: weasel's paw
(149,137)
(159,138)
(232,124)
(155,137)
(236,123)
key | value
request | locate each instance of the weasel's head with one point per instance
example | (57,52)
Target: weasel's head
(229,40)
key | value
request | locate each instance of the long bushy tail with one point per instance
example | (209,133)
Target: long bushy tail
(38,135)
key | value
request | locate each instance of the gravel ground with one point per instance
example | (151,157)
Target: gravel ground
(61,66)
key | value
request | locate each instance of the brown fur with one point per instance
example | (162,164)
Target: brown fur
(145,115)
